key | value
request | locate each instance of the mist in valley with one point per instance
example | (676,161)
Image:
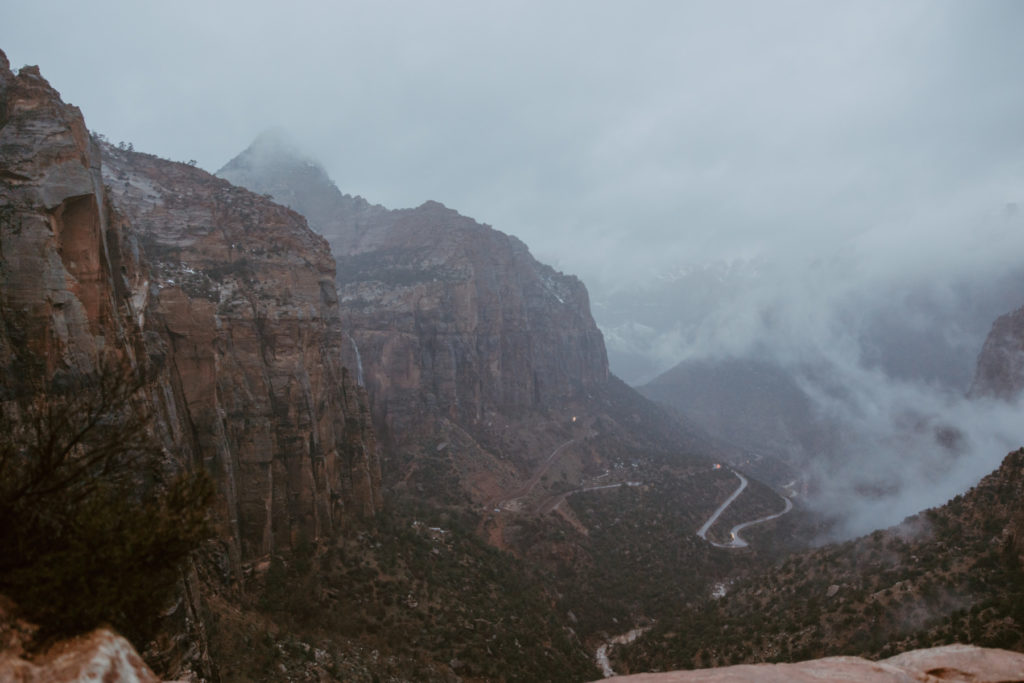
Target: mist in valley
(832,191)
(860,360)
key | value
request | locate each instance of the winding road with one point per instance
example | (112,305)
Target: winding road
(703,531)
(511,502)
(552,503)
(738,542)
(735,541)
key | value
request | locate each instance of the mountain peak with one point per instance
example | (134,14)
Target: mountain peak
(272,148)
(276,141)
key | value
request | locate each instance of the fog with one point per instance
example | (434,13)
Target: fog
(881,335)
(615,140)
(826,185)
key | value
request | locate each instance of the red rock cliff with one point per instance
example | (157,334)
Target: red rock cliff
(67,277)
(236,300)
(61,302)
(227,298)
(444,310)
(243,299)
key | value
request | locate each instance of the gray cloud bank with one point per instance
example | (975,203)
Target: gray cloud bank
(880,335)
(615,139)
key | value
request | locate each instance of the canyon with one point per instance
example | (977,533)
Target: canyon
(475,355)
(423,467)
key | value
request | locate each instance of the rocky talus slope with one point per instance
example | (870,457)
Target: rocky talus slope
(1000,369)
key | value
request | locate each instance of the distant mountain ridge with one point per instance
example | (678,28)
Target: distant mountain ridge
(755,407)
(302,184)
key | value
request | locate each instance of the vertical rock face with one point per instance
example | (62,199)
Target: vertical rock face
(67,268)
(444,310)
(226,298)
(243,299)
(1000,371)
(481,325)
(454,323)
(61,303)
(237,303)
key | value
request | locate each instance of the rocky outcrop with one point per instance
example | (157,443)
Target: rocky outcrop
(1000,369)
(98,656)
(948,663)
(101,655)
(242,299)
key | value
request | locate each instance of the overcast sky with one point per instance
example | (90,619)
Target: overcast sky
(614,138)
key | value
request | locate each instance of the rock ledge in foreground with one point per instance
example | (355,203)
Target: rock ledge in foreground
(946,663)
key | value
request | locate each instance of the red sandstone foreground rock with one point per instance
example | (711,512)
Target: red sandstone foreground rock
(964,663)
(60,302)
(98,656)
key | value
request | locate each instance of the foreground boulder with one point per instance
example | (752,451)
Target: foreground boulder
(947,663)
(98,656)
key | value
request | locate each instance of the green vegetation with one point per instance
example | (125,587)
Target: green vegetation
(420,586)
(951,574)
(645,559)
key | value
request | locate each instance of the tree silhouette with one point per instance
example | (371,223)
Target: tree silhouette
(92,527)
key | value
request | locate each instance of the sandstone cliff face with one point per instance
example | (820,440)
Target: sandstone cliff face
(238,290)
(444,310)
(1000,370)
(481,326)
(61,303)
(242,296)
(67,276)
(226,299)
